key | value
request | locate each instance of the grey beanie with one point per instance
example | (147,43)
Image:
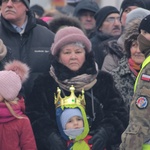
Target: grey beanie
(138,13)
(67,114)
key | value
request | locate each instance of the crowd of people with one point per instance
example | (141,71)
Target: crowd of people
(75,77)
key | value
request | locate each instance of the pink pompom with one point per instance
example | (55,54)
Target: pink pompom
(21,69)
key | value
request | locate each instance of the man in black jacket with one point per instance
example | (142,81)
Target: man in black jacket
(25,40)
(108,28)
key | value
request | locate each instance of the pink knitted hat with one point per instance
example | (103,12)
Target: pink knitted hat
(69,35)
(11,79)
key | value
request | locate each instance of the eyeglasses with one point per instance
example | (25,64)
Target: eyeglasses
(13,1)
(112,19)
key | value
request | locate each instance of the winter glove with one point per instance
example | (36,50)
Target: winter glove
(99,139)
(57,142)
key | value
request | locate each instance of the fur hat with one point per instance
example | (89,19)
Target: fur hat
(11,79)
(102,14)
(3,50)
(27,3)
(144,25)
(126,3)
(68,35)
(85,6)
(64,20)
(130,34)
(67,114)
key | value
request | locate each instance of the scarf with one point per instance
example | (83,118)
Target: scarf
(134,67)
(5,115)
(73,133)
(144,45)
(83,81)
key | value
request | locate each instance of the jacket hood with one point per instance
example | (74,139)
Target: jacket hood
(59,111)
(86,5)
(130,34)
(132,28)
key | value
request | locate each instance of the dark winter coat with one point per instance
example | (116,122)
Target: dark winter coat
(101,47)
(32,47)
(109,108)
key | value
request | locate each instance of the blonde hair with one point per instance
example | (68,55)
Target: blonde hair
(8,104)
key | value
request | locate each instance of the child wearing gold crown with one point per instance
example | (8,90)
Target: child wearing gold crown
(75,128)
(72,120)
(15,128)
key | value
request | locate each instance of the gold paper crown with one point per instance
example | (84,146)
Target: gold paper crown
(69,100)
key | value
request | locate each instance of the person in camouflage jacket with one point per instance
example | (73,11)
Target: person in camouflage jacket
(137,134)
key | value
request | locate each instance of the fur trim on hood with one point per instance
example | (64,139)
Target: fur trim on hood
(130,34)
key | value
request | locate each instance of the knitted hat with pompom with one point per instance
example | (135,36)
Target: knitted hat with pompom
(11,79)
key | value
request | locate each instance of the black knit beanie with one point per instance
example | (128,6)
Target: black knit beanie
(39,10)
(127,3)
(27,3)
(145,24)
(102,14)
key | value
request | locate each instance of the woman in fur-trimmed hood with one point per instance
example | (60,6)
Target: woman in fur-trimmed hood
(126,72)
(73,64)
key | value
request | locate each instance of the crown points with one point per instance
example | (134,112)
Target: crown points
(69,100)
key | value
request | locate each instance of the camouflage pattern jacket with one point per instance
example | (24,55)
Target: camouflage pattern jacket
(138,130)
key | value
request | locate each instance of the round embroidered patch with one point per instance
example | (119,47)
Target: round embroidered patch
(141,102)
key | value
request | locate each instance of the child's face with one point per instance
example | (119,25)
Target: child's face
(75,122)
(145,34)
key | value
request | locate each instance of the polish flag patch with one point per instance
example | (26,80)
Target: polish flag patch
(145,77)
(142,102)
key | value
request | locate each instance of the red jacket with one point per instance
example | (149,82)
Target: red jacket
(15,134)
